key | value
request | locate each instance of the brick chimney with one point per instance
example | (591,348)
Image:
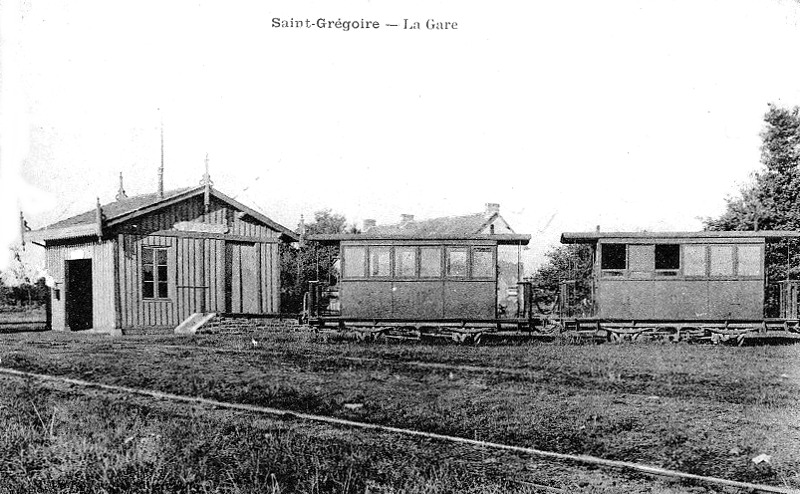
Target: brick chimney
(368,224)
(492,208)
(406,218)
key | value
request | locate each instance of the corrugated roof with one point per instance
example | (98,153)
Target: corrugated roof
(119,208)
(445,226)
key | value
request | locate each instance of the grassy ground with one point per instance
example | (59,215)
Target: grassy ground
(13,319)
(701,409)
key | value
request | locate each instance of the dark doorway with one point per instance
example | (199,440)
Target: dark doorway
(78,294)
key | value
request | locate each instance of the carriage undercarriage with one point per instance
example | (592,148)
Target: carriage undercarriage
(576,330)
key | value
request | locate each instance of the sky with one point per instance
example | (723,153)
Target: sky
(630,115)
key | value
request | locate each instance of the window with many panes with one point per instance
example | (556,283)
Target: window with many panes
(155,284)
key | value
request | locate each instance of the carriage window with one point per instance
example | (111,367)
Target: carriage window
(613,256)
(457,261)
(405,261)
(154,273)
(354,260)
(749,260)
(430,262)
(379,261)
(668,256)
(482,262)
(694,260)
(721,260)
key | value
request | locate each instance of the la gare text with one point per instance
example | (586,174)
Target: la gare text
(361,24)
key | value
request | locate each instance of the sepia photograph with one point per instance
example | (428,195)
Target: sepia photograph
(383,246)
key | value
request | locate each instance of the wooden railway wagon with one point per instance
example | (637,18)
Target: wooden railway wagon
(154,260)
(704,284)
(459,271)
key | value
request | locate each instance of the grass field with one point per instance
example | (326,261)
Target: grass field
(17,320)
(700,409)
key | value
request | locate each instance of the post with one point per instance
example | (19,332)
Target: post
(313,298)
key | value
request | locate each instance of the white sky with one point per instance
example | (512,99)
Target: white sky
(627,114)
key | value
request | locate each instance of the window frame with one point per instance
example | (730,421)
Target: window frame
(453,248)
(613,272)
(396,249)
(390,266)
(733,254)
(345,275)
(441,269)
(667,271)
(492,262)
(761,268)
(706,260)
(156,281)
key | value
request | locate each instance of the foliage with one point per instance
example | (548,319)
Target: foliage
(311,261)
(772,200)
(566,263)
(19,286)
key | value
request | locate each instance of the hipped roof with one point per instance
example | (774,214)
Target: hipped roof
(467,227)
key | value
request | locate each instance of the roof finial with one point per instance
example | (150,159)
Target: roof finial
(206,182)
(121,192)
(98,217)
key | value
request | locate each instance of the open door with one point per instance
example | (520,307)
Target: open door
(78,294)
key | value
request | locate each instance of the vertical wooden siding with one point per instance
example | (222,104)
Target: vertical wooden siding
(102,256)
(196,279)
(193,210)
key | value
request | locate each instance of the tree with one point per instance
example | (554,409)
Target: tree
(311,261)
(569,264)
(772,200)
(19,284)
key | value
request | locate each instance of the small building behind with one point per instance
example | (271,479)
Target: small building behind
(153,260)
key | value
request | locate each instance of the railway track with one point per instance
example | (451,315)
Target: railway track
(712,482)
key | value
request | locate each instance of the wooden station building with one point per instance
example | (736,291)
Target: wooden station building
(457,268)
(154,260)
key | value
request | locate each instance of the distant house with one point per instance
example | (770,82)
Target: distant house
(450,268)
(153,260)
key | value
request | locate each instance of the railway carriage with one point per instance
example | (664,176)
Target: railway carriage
(464,270)
(707,281)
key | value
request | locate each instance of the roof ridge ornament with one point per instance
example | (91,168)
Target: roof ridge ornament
(121,192)
(206,183)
